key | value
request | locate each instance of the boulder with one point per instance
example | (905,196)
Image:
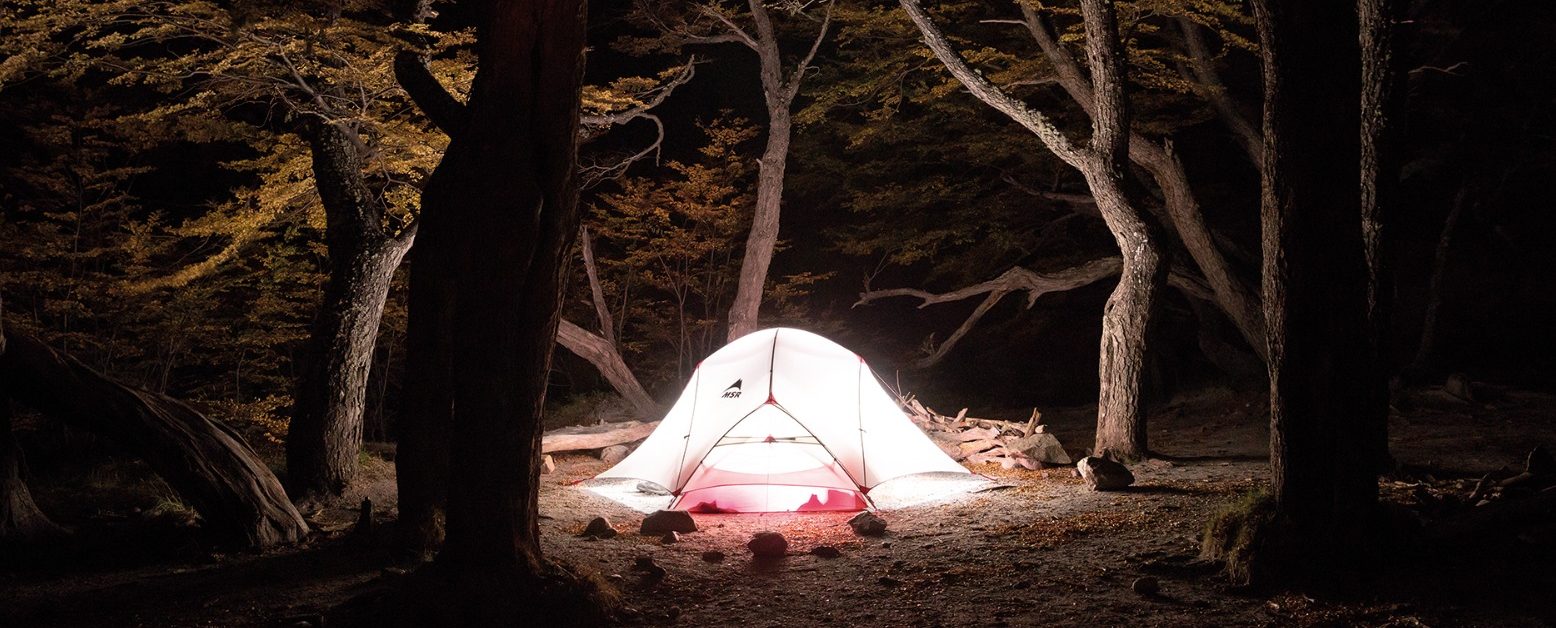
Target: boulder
(600,528)
(1103,474)
(547,464)
(867,524)
(662,521)
(768,545)
(613,454)
(1041,447)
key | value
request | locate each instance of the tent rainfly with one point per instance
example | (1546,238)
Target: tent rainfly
(781,420)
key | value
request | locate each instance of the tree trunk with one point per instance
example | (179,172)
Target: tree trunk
(325,435)
(1120,413)
(20,519)
(1382,106)
(1315,287)
(421,458)
(506,197)
(1434,288)
(1121,425)
(206,462)
(744,310)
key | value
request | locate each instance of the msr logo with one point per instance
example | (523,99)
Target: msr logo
(733,391)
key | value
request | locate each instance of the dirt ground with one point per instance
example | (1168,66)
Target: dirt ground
(1038,548)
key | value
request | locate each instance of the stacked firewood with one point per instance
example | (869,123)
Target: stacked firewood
(1006,443)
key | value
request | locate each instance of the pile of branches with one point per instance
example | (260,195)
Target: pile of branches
(1006,443)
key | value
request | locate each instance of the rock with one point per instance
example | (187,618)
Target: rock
(867,524)
(651,488)
(1540,462)
(768,545)
(547,464)
(1458,385)
(825,551)
(1103,474)
(670,537)
(600,528)
(713,556)
(1041,447)
(888,581)
(1147,586)
(662,521)
(651,571)
(613,454)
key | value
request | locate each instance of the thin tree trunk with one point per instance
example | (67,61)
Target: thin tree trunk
(427,404)
(1315,285)
(325,435)
(207,462)
(1121,425)
(1382,109)
(1434,288)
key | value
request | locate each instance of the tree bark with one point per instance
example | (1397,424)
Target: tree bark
(1236,297)
(762,240)
(1315,284)
(1121,426)
(206,462)
(325,435)
(427,403)
(1120,414)
(1382,108)
(506,199)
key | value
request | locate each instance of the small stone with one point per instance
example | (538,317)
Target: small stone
(547,464)
(825,551)
(713,556)
(768,545)
(670,537)
(662,521)
(613,454)
(1041,447)
(651,488)
(867,524)
(599,528)
(395,572)
(885,544)
(1147,586)
(616,578)
(649,569)
(1458,385)
(888,581)
(673,613)
(1103,474)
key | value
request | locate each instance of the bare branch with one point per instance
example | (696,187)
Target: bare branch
(793,87)
(984,90)
(434,100)
(596,291)
(1214,91)
(735,31)
(593,126)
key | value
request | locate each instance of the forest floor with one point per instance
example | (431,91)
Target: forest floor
(1040,550)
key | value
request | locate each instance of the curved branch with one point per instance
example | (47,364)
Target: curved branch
(434,100)
(793,88)
(1213,90)
(989,93)
(1018,279)
(593,126)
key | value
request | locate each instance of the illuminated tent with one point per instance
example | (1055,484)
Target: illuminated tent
(781,420)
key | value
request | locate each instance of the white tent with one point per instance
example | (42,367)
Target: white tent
(781,420)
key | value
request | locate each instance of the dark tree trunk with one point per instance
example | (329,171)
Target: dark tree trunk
(505,198)
(326,429)
(421,459)
(206,462)
(1322,384)
(20,519)
(1383,89)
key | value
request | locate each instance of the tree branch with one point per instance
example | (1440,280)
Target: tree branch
(593,126)
(793,88)
(434,100)
(984,90)
(1213,90)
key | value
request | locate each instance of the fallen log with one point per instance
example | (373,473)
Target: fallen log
(595,436)
(206,462)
